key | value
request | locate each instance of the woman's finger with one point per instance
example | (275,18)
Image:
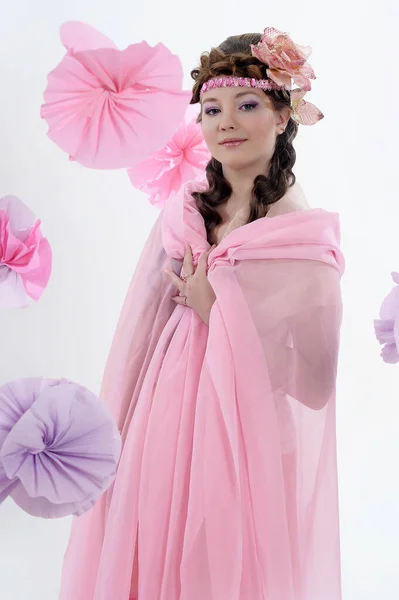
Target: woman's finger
(203,261)
(188,267)
(179,283)
(180,300)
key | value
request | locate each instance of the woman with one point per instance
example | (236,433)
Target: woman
(222,372)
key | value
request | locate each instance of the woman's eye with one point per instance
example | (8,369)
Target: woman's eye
(249,106)
(245,107)
(211,111)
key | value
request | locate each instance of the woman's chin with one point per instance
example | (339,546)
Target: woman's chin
(236,164)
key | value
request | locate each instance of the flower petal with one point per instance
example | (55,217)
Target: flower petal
(77,36)
(307,113)
(389,354)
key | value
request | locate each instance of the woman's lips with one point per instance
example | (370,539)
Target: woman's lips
(232,143)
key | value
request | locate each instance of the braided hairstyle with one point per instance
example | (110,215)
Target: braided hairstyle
(233,57)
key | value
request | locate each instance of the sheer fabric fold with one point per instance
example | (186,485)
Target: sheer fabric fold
(227,484)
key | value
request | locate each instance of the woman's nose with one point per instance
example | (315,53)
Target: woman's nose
(227,120)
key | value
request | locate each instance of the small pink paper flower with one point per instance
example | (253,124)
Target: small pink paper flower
(25,255)
(182,159)
(387,326)
(110,108)
(284,58)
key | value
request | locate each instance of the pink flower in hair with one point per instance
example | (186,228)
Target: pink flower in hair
(25,255)
(182,159)
(285,59)
(387,326)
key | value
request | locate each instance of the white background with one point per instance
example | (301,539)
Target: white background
(96,224)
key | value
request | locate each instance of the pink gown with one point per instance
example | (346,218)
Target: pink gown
(227,483)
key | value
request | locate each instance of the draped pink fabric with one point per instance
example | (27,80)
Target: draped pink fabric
(227,483)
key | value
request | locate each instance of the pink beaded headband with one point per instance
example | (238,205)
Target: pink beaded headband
(222,82)
(287,63)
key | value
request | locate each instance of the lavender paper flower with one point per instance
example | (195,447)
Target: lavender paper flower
(387,326)
(59,446)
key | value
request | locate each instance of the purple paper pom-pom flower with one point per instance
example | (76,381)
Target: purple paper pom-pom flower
(387,326)
(59,446)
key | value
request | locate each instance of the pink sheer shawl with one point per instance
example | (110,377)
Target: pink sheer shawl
(227,484)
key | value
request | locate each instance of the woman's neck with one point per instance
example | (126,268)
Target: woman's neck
(242,184)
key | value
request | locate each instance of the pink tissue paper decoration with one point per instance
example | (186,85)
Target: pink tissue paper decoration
(25,255)
(59,446)
(182,159)
(110,108)
(387,326)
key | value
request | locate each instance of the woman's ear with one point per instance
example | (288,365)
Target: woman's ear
(284,115)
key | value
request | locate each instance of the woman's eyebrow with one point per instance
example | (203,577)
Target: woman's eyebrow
(236,96)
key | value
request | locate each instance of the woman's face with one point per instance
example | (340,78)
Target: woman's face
(241,114)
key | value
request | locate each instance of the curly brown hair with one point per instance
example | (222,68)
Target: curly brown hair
(233,57)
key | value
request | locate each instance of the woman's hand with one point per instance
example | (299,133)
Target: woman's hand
(195,290)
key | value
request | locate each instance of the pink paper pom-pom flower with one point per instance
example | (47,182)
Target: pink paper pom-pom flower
(387,326)
(25,255)
(59,446)
(182,159)
(110,108)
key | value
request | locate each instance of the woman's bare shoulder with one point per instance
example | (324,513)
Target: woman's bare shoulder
(294,200)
